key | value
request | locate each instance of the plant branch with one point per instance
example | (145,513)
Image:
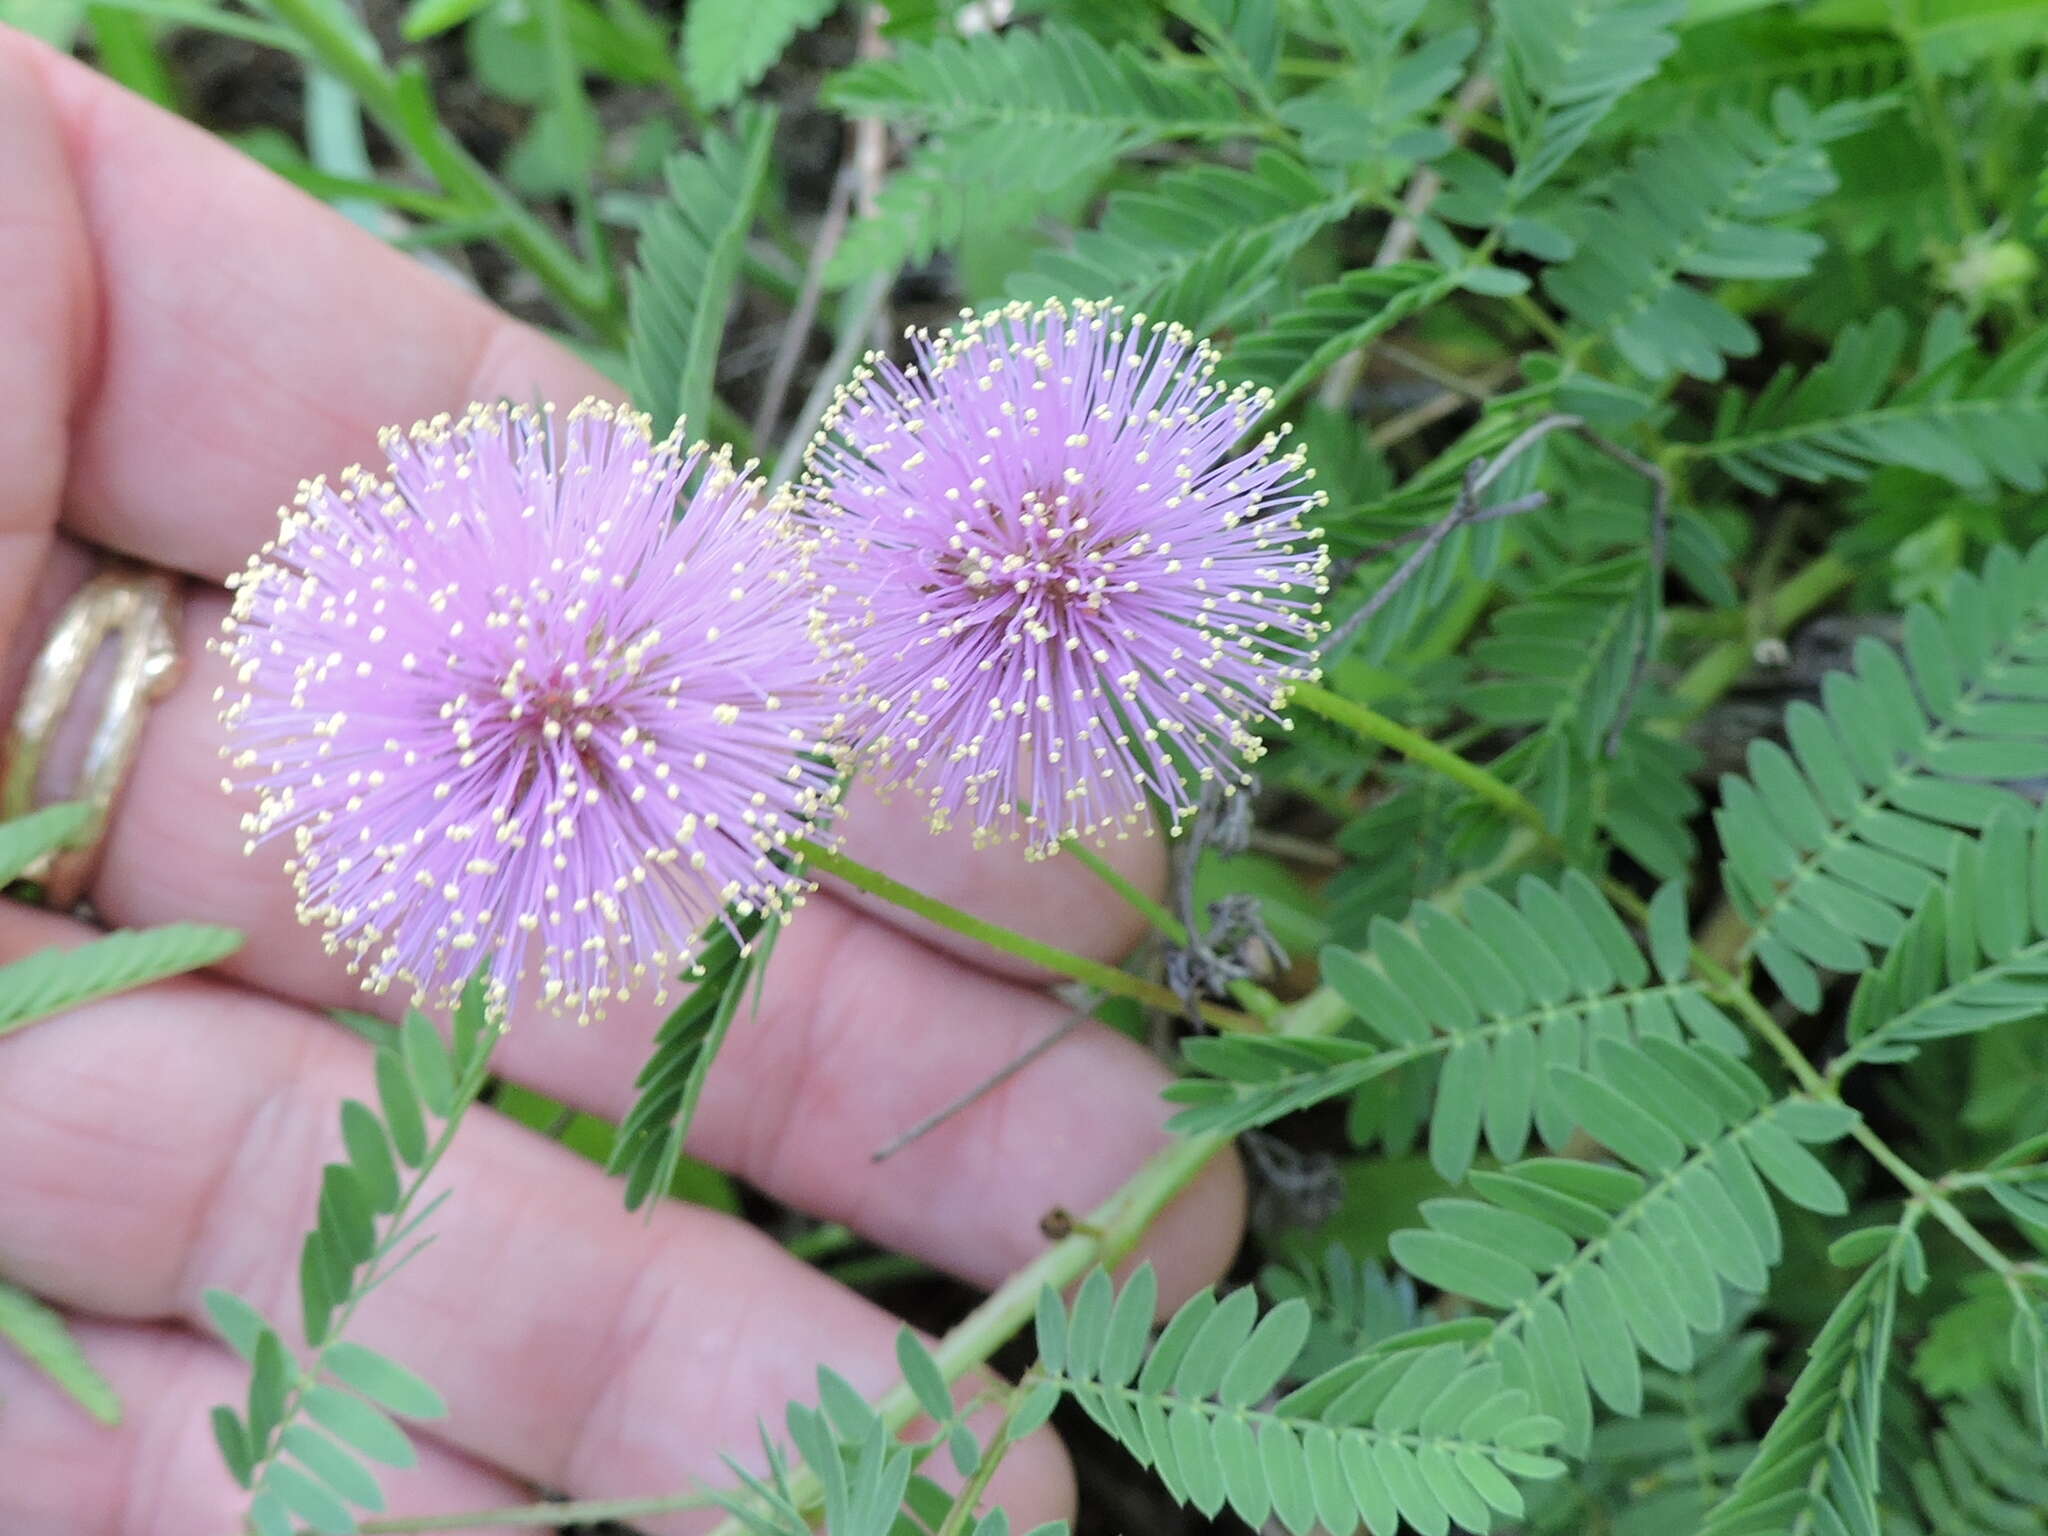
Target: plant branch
(1424,753)
(1081,968)
(1106,1235)
(346,52)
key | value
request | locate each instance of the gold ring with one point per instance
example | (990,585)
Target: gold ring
(135,610)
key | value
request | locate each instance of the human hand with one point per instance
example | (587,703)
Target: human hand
(186,339)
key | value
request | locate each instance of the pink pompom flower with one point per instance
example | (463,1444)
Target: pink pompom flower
(1071,584)
(506,702)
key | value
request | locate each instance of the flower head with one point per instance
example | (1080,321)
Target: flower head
(1070,584)
(504,701)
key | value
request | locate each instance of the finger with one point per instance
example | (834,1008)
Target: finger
(860,1033)
(158,1473)
(253,338)
(46,317)
(169,1141)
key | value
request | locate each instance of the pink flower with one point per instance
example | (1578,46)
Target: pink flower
(1070,584)
(507,703)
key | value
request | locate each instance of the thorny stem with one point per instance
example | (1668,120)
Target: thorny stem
(1079,968)
(581,290)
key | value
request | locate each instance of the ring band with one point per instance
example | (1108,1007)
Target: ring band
(136,610)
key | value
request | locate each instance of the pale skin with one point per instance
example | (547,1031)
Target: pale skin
(185,338)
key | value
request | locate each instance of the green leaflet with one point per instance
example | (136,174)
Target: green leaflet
(54,980)
(1696,204)
(1975,954)
(1961,416)
(367,1226)
(1816,1472)
(1195,245)
(1010,116)
(1827,846)
(1420,1434)
(685,269)
(1500,994)
(728,45)
(1591,1265)
(41,1336)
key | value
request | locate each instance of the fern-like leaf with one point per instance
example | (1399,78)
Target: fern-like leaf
(1011,115)
(991,177)
(30,837)
(1029,82)
(1827,846)
(1421,1435)
(1975,955)
(54,980)
(1195,244)
(1498,995)
(650,1141)
(1567,63)
(1972,421)
(728,45)
(1696,204)
(1986,1473)
(1331,320)
(1816,1473)
(684,271)
(302,1439)
(46,1343)
(1591,1264)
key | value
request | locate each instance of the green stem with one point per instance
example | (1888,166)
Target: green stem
(572,104)
(999,1447)
(589,1512)
(1723,666)
(1152,911)
(346,52)
(1064,962)
(1423,752)
(398,1227)
(1104,1236)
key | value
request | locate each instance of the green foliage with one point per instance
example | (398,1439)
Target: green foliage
(1565,65)
(302,1440)
(1200,245)
(1986,1471)
(1973,421)
(52,981)
(1332,320)
(1663,1469)
(1012,115)
(1420,1434)
(1827,845)
(728,45)
(649,1147)
(1591,1264)
(1817,1470)
(689,256)
(46,1343)
(1697,204)
(1975,954)
(1500,994)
